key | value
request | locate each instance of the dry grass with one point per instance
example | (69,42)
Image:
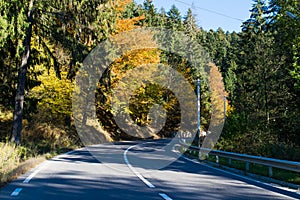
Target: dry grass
(12,164)
(39,141)
(9,158)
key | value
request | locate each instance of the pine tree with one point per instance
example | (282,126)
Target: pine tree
(284,23)
(19,99)
(263,89)
(190,25)
(69,25)
(174,19)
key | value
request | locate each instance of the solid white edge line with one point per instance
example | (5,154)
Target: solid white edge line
(39,168)
(164,196)
(150,185)
(233,174)
(16,192)
(35,172)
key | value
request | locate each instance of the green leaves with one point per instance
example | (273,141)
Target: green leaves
(260,66)
(4,30)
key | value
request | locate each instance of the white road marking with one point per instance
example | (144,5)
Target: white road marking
(150,185)
(16,192)
(164,196)
(31,176)
(236,175)
(39,168)
(35,172)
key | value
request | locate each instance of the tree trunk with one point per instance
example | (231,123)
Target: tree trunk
(19,99)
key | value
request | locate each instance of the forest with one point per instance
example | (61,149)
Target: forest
(43,45)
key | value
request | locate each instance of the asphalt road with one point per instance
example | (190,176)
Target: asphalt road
(135,171)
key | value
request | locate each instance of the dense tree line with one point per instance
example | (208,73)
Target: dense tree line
(260,66)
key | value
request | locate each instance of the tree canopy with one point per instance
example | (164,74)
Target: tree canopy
(43,45)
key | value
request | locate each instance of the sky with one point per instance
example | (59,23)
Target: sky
(211,14)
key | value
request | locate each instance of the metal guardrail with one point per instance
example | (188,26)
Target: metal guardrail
(269,162)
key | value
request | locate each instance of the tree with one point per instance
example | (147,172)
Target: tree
(174,19)
(19,100)
(284,23)
(190,25)
(263,93)
(257,66)
(69,25)
(12,34)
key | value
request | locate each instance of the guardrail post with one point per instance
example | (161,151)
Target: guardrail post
(247,166)
(270,163)
(270,171)
(229,161)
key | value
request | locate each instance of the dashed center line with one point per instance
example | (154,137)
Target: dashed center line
(164,196)
(16,192)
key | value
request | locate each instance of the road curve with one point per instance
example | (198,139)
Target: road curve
(133,170)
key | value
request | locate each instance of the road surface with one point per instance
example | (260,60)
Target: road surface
(133,170)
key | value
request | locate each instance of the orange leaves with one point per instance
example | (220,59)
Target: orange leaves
(216,80)
(121,5)
(142,48)
(128,24)
(139,48)
(218,92)
(139,57)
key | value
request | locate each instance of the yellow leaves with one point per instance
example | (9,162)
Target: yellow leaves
(128,24)
(216,82)
(135,40)
(137,58)
(120,5)
(229,108)
(218,92)
(139,49)
(5,114)
(136,55)
(54,94)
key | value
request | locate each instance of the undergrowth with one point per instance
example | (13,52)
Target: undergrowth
(40,140)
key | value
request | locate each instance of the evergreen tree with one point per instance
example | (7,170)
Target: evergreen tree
(284,22)
(190,25)
(174,19)
(263,92)
(19,99)
(69,24)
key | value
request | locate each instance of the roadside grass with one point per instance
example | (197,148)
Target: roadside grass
(279,174)
(14,161)
(40,141)
(17,160)
(262,170)
(9,159)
